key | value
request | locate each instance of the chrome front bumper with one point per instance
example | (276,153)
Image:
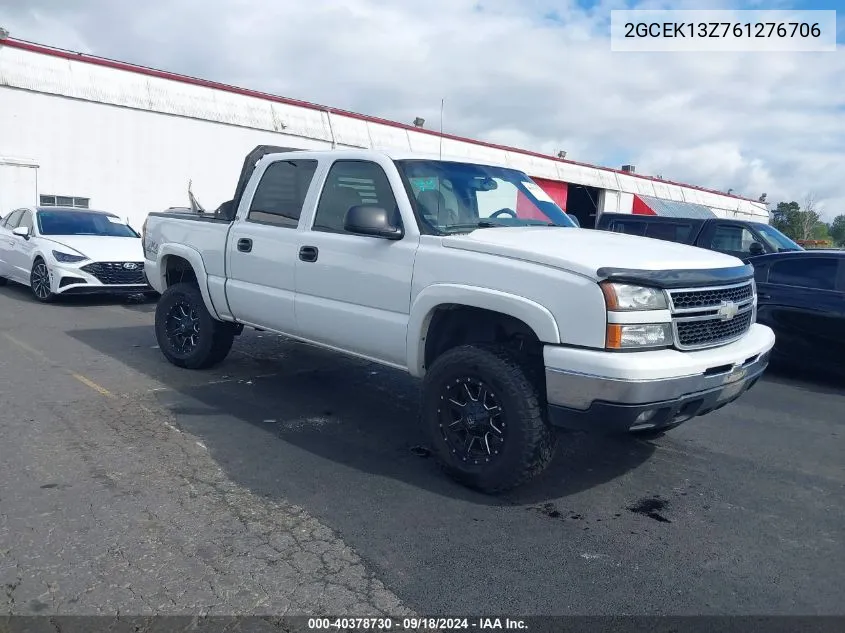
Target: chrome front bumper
(585,401)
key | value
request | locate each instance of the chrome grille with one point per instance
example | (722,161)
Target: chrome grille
(709,317)
(697,299)
(117,273)
(711,331)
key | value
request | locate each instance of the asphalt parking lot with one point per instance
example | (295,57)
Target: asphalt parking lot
(291,480)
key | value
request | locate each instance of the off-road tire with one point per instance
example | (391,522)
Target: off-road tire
(215,337)
(530,442)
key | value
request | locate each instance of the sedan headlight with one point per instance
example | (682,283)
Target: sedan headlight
(68,258)
(638,336)
(625,297)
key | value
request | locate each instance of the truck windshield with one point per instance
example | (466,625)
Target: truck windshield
(776,239)
(453,197)
(82,223)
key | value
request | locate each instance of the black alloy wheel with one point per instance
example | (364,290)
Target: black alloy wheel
(471,420)
(182,327)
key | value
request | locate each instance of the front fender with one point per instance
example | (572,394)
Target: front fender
(158,279)
(536,316)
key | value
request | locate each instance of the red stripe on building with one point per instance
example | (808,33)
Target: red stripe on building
(556,189)
(163,74)
(641,208)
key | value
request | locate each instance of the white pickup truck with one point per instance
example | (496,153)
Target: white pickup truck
(467,276)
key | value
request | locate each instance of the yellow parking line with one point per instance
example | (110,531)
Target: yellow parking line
(90,383)
(38,354)
(27,348)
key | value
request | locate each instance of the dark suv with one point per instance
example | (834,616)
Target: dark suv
(740,238)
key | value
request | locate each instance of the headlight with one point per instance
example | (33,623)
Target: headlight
(624,297)
(67,258)
(633,336)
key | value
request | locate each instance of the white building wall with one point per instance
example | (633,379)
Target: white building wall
(128,161)
(131,141)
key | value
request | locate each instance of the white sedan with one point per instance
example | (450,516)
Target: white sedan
(60,250)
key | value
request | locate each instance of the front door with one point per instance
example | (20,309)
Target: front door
(354,292)
(803,305)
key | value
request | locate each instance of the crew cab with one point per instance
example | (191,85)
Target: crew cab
(740,238)
(469,277)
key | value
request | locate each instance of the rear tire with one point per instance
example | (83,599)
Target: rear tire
(187,334)
(3,281)
(484,418)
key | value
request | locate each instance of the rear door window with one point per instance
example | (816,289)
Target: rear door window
(669,231)
(818,273)
(13,219)
(281,193)
(631,227)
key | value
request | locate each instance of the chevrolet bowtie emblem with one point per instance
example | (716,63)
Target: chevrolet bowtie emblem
(727,310)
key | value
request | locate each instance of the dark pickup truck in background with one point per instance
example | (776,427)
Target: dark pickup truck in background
(740,238)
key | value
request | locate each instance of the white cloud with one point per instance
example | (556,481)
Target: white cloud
(509,74)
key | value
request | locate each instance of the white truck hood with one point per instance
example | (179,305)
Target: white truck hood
(585,251)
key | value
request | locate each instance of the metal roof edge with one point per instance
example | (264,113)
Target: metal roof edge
(44,49)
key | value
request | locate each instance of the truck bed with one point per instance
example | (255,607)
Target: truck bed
(189,214)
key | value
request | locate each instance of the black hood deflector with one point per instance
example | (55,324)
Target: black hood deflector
(679,278)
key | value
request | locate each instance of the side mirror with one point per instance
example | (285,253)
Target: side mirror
(372,221)
(21,231)
(574,219)
(756,248)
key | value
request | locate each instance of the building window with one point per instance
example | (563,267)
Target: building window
(65,201)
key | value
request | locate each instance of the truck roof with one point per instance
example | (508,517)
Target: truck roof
(392,155)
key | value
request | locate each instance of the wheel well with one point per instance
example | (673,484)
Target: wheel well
(178,270)
(454,325)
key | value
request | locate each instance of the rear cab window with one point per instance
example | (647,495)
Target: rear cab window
(629,227)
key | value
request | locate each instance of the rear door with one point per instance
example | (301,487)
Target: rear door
(802,301)
(20,256)
(7,244)
(263,244)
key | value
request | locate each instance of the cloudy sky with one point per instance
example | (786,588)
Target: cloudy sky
(537,74)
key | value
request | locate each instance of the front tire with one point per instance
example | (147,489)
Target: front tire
(187,334)
(39,282)
(484,417)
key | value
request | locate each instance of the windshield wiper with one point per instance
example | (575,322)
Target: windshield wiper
(489,224)
(482,224)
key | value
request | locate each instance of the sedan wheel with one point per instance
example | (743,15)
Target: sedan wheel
(39,282)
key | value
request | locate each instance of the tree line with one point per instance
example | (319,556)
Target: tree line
(802,222)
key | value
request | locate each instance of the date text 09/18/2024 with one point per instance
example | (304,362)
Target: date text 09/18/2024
(415,624)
